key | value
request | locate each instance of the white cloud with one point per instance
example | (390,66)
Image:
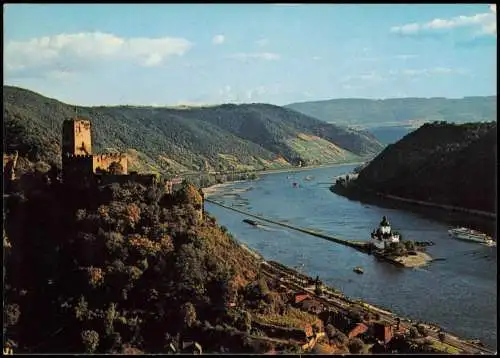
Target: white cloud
(316,58)
(218,39)
(485,22)
(75,52)
(262,42)
(429,71)
(404,57)
(269,56)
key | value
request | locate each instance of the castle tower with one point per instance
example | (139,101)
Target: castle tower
(76,138)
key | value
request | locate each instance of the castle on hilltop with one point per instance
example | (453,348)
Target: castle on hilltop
(77,158)
(81,167)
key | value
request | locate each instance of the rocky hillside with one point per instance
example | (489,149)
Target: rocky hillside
(442,163)
(249,136)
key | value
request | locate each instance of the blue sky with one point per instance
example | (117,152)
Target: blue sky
(165,54)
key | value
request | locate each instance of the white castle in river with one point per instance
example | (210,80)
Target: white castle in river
(383,237)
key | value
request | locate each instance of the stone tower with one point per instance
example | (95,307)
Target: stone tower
(76,137)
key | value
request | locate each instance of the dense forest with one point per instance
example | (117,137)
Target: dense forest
(239,137)
(443,163)
(124,267)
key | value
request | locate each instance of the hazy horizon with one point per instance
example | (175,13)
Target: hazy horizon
(195,54)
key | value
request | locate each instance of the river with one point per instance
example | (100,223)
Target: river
(459,293)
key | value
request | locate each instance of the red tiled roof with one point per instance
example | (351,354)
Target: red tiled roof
(359,329)
(299,297)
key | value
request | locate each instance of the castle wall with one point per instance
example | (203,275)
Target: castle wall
(103,161)
(77,169)
(145,179)
(77,137)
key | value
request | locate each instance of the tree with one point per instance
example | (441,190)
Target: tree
(422,330)
(355,345)
(340,339)
(330,330)
(90,340)
(413,332)
(188,312)
(115,168)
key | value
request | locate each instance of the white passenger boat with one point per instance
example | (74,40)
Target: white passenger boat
(463,233)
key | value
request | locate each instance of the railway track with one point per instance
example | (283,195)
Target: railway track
(341,303)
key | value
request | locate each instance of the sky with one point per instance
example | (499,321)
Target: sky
(196,54)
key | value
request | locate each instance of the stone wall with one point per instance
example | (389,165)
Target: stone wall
(101,162)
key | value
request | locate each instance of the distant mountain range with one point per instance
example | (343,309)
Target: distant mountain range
(246,136)
(391,119)
(441,163)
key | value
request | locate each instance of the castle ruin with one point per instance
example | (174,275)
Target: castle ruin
(77,152)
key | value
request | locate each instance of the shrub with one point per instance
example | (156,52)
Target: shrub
(355,345)
(90,340)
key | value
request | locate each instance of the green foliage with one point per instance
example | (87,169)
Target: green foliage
(355,345)
(170,140)
(439,163)
(90,340)
(12,314)
(413,332)
(339,339)
(422,330)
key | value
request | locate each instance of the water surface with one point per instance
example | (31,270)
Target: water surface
(459,293)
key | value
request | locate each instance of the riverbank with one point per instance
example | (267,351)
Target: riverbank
(300,169)
(418,260)
(335,299)
(351,188)
(210,190)
(482,221)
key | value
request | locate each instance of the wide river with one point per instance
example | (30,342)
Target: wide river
(458,293)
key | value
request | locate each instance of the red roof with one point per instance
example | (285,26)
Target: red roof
(359,329)
(299,297)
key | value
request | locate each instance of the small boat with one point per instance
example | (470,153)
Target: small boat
(295,185)
(251,222)
(358,270)
(466,234)
(308,178)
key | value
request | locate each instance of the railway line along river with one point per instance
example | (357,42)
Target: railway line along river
(458,293)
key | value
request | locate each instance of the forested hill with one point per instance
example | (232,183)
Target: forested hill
(248,136)
(369,113)
(442,163)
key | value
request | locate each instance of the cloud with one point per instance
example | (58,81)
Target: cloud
(269,56)
(316,58)
(80,51)
(404,57)
(485,24)
(428,71)
(262,42)
(218,39)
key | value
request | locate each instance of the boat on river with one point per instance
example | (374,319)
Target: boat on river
(466,234)
(384,236)
(251,222)
(358,270)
